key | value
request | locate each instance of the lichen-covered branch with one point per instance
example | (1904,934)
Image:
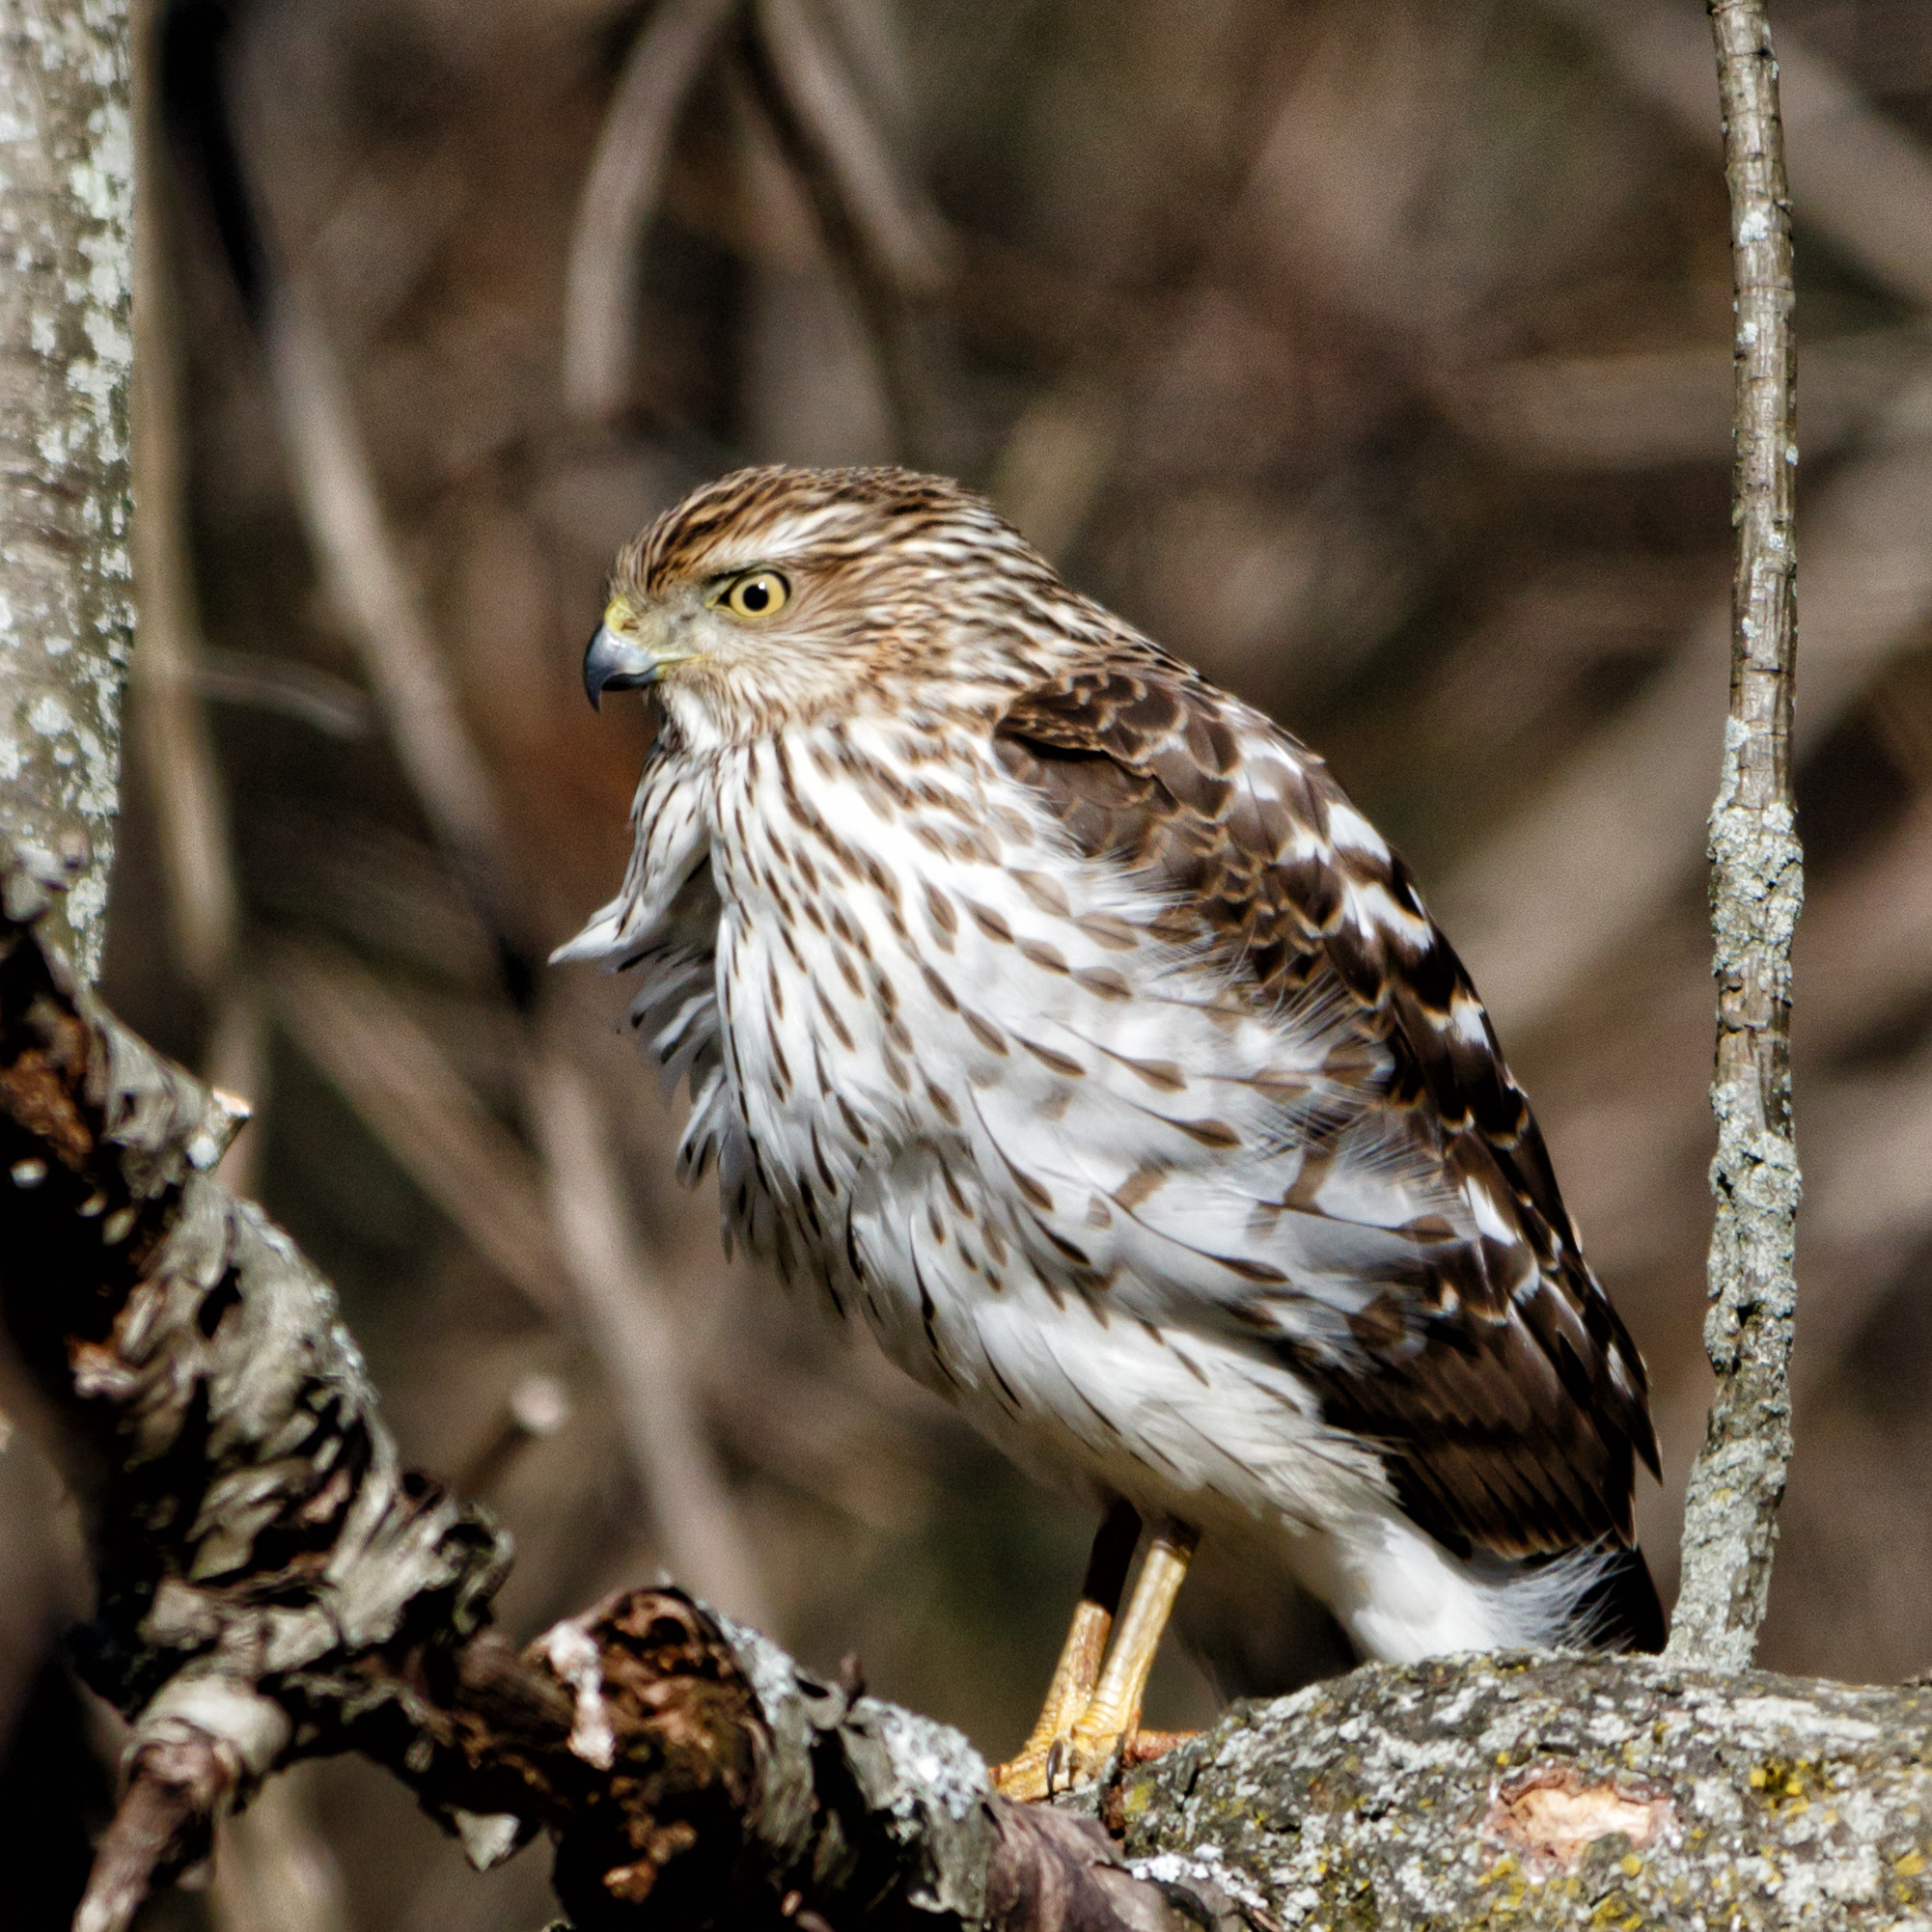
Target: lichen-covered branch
(1526,1792)
(1757,886)
(66,349)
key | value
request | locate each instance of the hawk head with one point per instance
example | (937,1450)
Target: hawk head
(776,593)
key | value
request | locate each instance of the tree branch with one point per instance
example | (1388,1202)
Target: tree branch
(620,196)
(1756,888)
(65,355)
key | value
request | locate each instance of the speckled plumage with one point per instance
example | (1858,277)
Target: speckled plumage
(1056,1015)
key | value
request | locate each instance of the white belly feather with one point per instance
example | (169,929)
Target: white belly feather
(1053,1166)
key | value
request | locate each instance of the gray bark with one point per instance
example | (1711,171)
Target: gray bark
(1547,1791)
(1730,1517)
(272,1584)
(65,351)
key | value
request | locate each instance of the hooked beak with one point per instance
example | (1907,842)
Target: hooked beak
(613,664)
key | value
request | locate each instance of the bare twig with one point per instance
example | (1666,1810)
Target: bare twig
(620,196)
(369,587)
(559,1231)
(272,1584)
(177,749)
(880,233)
(190,804)
(1639,409)
(394,1075)
(897,229)
(313,697)
(420,1105)
(1616,815)
(1055,461)
(641,1352)
(273,1870)
(1756,888)
(176,1787)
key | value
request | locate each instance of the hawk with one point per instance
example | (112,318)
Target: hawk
(1057,1016)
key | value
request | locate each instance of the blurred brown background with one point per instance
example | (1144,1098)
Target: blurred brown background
(1372,353)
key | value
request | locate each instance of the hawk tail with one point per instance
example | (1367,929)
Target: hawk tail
(1620,1608)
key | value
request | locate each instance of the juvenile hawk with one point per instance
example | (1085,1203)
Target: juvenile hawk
(1056,1015)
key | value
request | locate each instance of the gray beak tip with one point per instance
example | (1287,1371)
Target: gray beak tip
(611,665)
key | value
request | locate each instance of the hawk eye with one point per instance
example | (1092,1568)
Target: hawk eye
(757,594)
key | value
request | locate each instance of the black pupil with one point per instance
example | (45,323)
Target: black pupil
(756,594)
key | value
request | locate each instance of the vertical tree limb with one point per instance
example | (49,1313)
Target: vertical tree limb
(66,277)
(1756,888)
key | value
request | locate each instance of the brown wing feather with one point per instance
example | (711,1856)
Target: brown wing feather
(1509,1419)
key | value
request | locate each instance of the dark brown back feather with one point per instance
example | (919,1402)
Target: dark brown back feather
(1509,1420)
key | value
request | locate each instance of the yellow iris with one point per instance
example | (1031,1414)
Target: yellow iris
(755,594)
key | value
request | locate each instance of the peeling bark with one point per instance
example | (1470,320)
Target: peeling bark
(272,1584)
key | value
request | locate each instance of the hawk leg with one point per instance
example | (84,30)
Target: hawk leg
(1075,1675)
(1112,1719)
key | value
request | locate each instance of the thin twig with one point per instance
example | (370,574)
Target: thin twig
(304,692)
(273,1869)
(1616,814)
(879,230)
(397,1078)
(177,746)
(1757,886)
(410,1090)
(901,231)
(620,192)
(369,587)
(1867,181)
(175,1792)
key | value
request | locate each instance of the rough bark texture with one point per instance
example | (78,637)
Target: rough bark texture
(65,351)
(1555,1791)
(273,1585)
(1757,886)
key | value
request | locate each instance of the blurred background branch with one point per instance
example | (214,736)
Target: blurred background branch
(619,198)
